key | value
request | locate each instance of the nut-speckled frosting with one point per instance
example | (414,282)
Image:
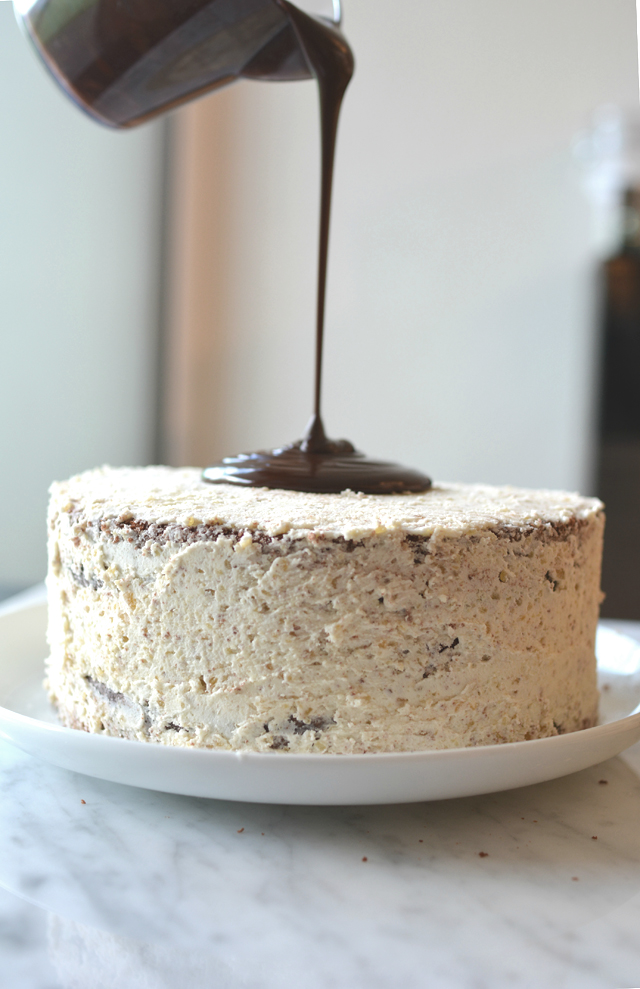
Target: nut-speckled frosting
(169,496)
(194,614)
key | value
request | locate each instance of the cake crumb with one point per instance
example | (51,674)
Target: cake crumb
(603,782)
(483,855)
(240,830)
(594,837)
(83,801)
(364,858)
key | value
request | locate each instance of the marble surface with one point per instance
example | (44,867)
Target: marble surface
(106,885)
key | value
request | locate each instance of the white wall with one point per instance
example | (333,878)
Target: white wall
(459,333)
(79,209)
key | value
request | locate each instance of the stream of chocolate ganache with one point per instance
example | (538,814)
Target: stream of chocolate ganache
(316,463)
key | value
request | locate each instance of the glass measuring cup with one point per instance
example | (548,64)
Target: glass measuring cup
(126,61)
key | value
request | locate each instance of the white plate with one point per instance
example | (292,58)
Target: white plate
(28,721)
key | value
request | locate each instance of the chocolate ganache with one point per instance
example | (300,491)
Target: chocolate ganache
(317,463)
(126,61)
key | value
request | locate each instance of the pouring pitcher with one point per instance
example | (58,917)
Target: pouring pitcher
(126,61)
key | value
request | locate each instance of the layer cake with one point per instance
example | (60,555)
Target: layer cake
(194,614)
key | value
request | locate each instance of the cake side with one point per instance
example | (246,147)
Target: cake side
(430,630)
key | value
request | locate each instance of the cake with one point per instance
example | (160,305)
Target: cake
(251,619)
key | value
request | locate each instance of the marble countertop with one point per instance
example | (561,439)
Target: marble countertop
(108,886)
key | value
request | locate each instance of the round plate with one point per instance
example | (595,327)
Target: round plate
(28,721)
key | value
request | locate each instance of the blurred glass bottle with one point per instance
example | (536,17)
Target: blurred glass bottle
(608,155)
(619,420)
(620,398)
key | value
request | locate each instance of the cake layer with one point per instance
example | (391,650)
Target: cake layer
(210,615)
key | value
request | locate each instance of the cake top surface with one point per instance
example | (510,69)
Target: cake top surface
(165,495)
